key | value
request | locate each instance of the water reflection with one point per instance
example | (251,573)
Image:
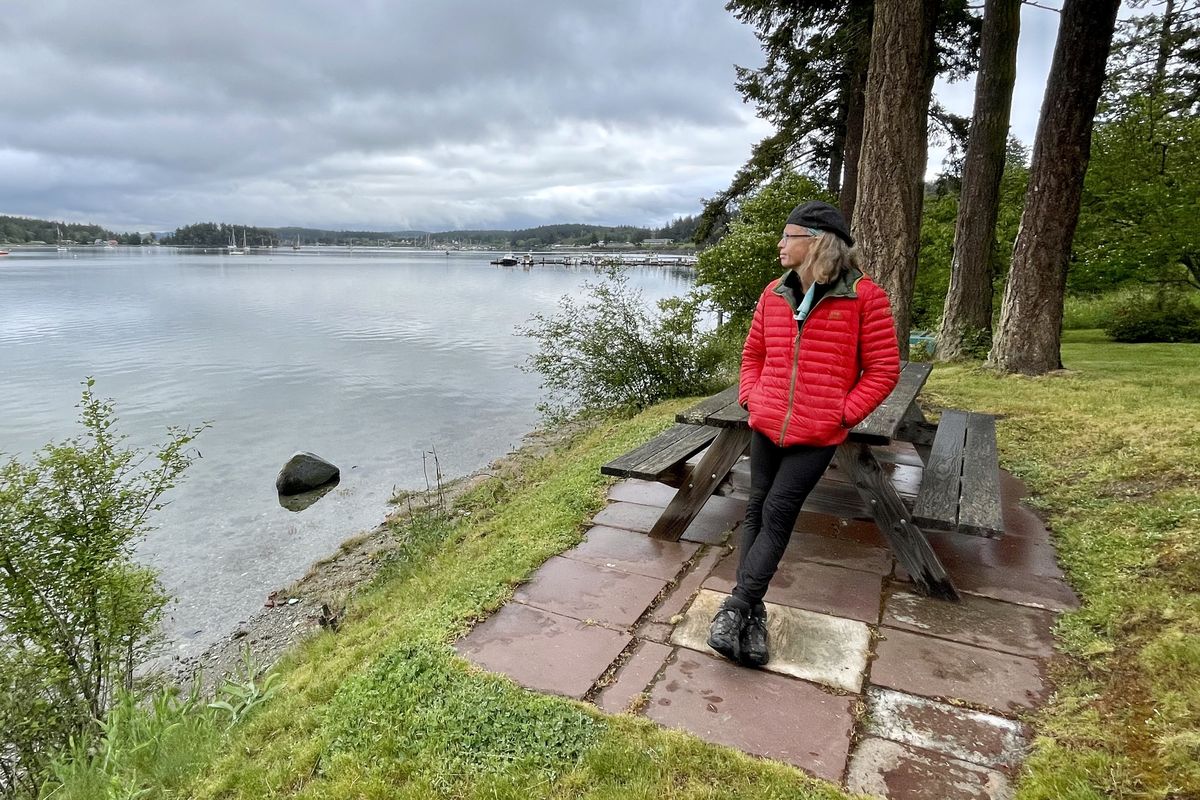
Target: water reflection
(299,502)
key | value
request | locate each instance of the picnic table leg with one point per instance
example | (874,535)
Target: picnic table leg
(714,465)
(915,417)
(905,539)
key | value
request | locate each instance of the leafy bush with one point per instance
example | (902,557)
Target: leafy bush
(1161,317)
(77,614)
(731,274)
(140,745)
(1091,311)
(604,350)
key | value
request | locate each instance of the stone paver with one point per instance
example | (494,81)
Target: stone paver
(932,667)
(629,516)
(840,553)
(841,527)
(959,733)
(1012,553)
(633,552)
(588,592)
(881,768)
(711,526)
(634,677)
(644,493)
(1008,585)
(719,516)
(655,631)
(756,712)
(980,621)
(679,597)
(816,587)
(816,647)
(543,651)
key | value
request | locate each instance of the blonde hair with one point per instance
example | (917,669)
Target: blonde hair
(828,258)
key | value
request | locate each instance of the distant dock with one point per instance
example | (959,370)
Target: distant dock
(599,260)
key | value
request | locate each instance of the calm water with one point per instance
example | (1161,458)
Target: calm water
(367,359)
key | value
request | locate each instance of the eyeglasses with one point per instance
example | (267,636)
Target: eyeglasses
(799,236)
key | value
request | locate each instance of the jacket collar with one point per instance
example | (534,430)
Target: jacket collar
(845,285)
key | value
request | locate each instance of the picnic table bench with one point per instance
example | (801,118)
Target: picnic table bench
(959,491)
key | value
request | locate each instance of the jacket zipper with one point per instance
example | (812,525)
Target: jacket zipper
(795,369)
(791,390)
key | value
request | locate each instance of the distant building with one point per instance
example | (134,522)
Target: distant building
(657,242)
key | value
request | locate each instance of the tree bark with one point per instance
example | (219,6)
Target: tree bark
(837,152)
(857,63)
(887,213)
(967,316)
(1029,336)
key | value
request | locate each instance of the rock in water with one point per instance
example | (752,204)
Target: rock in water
(304,472)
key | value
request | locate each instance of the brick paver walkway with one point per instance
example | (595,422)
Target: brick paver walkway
(870,685)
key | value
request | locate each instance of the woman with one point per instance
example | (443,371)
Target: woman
(820,356)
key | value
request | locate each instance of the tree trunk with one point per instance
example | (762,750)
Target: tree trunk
(837,152)
(887,213)
(857,63)
(1029,335)
(967,316)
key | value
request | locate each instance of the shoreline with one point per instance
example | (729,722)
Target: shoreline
(318,599)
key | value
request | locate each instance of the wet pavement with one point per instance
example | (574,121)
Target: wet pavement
(870,685)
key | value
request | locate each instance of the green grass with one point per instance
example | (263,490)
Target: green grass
(384,708)
(1111,451)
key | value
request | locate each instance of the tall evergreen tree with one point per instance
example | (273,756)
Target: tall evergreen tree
(887,216)
(967,316)
(814,60)
(812,89)
(1029,335)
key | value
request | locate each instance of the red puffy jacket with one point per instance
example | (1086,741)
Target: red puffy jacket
(813,385)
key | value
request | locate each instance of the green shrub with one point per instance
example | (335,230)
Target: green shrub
(1161,317)
(142,748)
(604,351)
(77,613)
(731,275)
(1096,311)
(1092,311)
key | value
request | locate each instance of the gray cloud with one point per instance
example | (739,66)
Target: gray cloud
(450,114)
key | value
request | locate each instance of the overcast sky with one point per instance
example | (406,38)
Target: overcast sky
(385,115)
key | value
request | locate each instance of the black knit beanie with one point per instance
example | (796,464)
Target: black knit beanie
(822,217)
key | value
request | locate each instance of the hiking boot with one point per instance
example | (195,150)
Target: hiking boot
(725,633)
(753,642)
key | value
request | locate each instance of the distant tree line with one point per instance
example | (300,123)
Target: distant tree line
(219,234)
(22,230)
(212,234)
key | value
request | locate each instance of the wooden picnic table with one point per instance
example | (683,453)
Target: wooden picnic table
(898,418)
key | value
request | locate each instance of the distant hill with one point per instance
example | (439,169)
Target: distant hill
(212,234)
(20,230)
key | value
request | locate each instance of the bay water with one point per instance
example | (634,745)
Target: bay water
(369,359)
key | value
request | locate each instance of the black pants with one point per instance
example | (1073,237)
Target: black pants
(780,480)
